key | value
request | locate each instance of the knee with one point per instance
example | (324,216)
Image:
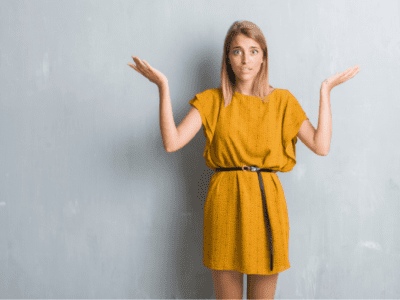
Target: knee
(228,284)
(261,286)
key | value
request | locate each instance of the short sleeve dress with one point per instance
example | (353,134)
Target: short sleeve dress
(252,133)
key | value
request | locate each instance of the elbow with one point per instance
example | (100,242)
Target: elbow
(167,147)
(169,150)
(324,152)
(172,148)
(321,151)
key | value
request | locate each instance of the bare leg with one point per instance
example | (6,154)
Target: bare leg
(228,284)
(261,286)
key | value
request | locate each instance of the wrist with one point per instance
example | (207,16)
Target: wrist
(163,85)
(326,89)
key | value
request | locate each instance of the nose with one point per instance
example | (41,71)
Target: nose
(244,58)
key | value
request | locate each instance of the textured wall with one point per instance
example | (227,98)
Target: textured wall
(92,206)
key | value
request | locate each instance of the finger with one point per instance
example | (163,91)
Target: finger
(147,65)
(136,69)
(139,64)
(348,70)
(355,73)
(351,75)
(135,59)
(352,69)
(132,66)
(355,70)
(142,63)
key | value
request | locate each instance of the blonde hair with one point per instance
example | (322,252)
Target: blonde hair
(261,87)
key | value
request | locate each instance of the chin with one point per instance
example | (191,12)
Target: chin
(247,77)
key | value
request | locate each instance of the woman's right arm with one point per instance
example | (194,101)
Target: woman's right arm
(169,132)
(173,138)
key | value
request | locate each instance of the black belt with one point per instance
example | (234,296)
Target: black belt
(267,223)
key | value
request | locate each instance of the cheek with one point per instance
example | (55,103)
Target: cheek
(233,61)
(234,64)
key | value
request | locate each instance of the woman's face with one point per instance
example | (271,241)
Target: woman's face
(245,53)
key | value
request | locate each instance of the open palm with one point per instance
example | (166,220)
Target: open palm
(147,71)
(339,78)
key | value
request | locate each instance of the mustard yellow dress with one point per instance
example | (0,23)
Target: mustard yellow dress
(247,132)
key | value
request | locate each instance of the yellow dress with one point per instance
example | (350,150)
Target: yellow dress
(247,132)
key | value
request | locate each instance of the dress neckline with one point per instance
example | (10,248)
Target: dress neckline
(255,96)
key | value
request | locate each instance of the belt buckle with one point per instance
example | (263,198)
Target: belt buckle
(250,168)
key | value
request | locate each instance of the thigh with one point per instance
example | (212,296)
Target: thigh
(228,284)
(261,286)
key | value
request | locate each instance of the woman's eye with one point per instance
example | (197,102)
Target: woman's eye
(236,51)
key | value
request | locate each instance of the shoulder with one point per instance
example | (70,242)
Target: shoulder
(217,92)
(284,92)
(286,95)
(213,97)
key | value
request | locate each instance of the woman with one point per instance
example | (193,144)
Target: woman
(247,123)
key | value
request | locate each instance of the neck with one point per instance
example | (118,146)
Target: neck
(243,87)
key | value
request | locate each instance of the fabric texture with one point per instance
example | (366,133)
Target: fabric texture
(247,132)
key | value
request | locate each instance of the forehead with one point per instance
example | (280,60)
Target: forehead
(243,41)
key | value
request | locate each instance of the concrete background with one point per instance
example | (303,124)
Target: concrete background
(92,206)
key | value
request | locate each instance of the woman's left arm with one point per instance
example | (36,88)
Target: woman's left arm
(323,134)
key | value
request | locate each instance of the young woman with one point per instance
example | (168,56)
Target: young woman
(251,130)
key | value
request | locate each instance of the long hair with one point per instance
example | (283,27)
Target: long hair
(261,87)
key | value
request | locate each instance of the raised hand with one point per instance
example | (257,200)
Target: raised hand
(339,78)
(147,71)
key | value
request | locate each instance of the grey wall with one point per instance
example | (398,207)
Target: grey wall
(92,206)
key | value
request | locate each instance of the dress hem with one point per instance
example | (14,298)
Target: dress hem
(244,271)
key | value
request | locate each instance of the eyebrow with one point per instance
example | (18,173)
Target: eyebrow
(241,47)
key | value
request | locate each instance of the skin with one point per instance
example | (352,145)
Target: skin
(149,72)
(245,53)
